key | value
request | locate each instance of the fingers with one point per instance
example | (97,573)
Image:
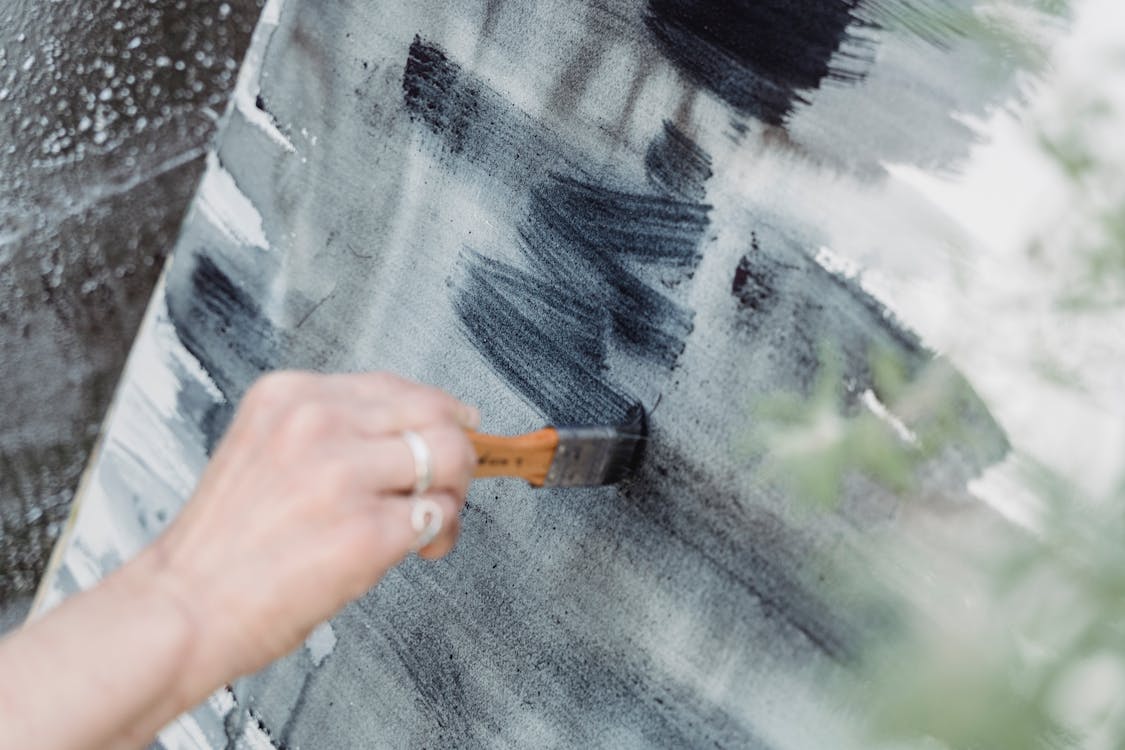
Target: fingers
(388,463)
(399,526)
(372,404)
(391,404)
(446,540)
(412,413)
(434,519)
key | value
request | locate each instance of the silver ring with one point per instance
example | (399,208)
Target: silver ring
(423,471)
(426,518)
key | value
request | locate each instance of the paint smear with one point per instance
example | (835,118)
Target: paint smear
(320,643)
(600,262)
(219,321)
(227,207)
(676,165)
(790,301)
(548,330)
(476,125)
(247,93)
(761,56)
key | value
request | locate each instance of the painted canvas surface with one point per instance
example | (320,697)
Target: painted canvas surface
(556,211)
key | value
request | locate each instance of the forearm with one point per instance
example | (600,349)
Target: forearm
(106,669)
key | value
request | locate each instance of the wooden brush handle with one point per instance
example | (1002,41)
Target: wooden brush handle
(527,456)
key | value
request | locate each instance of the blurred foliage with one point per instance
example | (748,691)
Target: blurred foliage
(1017,640)
(813,441)
(1034,654)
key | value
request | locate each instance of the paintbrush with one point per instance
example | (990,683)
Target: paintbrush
(566,456)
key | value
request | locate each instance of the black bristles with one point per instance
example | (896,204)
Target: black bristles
(629,450)
(596,455)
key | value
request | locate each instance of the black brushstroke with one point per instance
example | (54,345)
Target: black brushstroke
(676,504)
(599,260)
(801,311)
(478,125)
(547,331)
(596,278)
(504,623)
(435,92)
(760,55)
(439,679)
(219,321)
(755,283)
(544,340)
(675,164)
(806,312)
(586,235)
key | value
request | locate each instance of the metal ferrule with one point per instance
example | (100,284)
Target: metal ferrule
(583,456)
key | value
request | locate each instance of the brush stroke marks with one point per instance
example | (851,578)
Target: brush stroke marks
(218,319)
(685,609)
(548,331)
(599,260)
(544,340)
(677,165)
(436,92)
(789,300)
(793,305)
(478,125)
(505,624)
(677,506)
(761,56)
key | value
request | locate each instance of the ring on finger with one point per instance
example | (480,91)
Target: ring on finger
(426,518)
(423,468)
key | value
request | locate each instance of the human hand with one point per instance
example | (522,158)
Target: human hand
(305,506)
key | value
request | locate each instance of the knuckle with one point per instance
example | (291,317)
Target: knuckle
(433,406)
(305,423)
(271,390)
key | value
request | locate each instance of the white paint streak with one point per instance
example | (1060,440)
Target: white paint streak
(228,208)
(271,13)
(1005,489)
(879,409)
(1027,226)
(320,643)
(250,78)
(184,734)
(835,263)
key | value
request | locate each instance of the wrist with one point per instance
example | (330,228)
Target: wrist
(164,600)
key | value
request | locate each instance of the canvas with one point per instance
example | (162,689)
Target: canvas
(557,211)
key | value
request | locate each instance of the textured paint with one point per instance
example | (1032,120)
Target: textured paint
(542,209)
(676,165)
(549,330)
(597,262)
(761,55)
(228,208)
(247,93)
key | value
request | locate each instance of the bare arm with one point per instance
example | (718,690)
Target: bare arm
(303,508)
